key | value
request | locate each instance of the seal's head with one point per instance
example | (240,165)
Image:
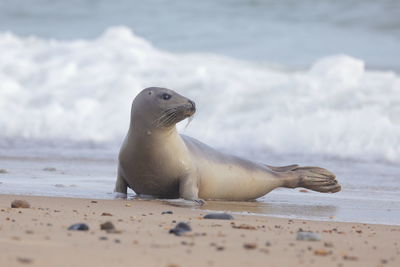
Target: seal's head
(157,107)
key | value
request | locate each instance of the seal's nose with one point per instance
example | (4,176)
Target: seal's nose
(193,108)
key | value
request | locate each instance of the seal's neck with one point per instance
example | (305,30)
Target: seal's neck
(141,131)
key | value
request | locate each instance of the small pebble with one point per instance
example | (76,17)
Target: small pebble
(244,226)
(350,258)
(117,241)
(93,201)
(107,226)
(103,238)
(308,236)
(24,260)
(321,252)
(79,227)
(218,216)
(166,212)
(106,214)
(3,171)
(50,169)
(20,204)
(250,245)
(180,229)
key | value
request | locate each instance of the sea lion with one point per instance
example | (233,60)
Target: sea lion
(156,160)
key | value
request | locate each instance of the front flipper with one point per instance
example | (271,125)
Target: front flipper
(121,186)
(189,190)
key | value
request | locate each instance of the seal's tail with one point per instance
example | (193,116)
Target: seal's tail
(317,179)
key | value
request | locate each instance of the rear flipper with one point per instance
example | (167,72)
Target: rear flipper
(317,179)
(283,168)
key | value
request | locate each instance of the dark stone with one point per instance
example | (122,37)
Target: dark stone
(79,227)
(218,216)
(107,226)
(180,229)
(20,204)
(167,212)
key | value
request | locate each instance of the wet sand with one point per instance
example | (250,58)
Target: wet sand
(39,236)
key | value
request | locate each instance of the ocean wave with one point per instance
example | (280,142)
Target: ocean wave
(81,90)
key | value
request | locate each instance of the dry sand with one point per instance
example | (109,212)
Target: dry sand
(38,236)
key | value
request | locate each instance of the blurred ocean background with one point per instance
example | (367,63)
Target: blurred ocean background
(281,82)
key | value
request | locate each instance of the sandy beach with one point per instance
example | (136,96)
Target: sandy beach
(39,236)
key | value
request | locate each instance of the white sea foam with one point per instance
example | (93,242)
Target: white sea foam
(82,90)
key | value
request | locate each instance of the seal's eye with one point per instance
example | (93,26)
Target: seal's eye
(166,96)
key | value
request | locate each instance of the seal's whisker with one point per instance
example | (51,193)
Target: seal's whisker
(163,121)
(189,120)
(169,119)
(159,119)
(164,114)
(166,117)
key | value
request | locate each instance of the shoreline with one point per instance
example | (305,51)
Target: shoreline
(38,236)
(281,203)
(370,192)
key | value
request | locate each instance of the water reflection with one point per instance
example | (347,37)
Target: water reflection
(274,209)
